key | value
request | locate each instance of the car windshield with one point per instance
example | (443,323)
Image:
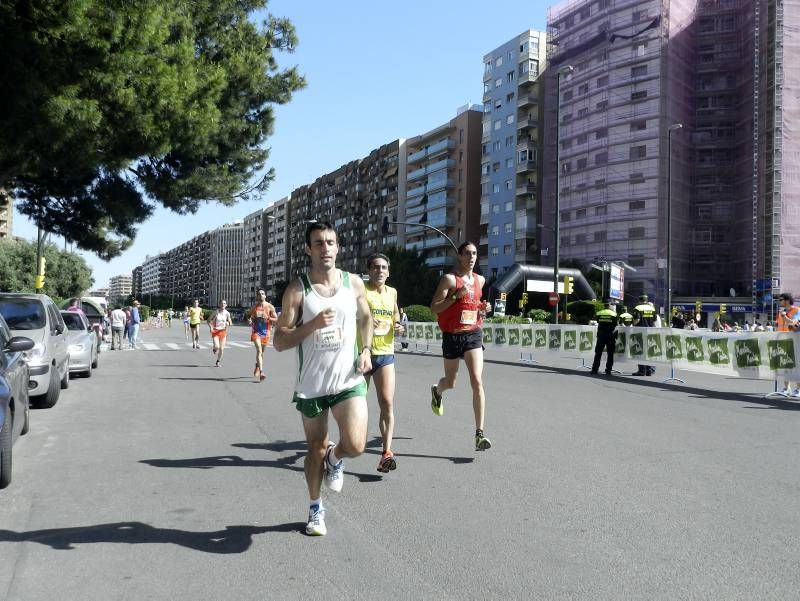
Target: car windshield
(73,320)
(23,313)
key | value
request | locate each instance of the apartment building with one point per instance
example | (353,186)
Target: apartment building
(276,251)
(136,282)
(226,267)
(443,187)
(619,75)
(354,197)
(252,256)
(120,287)
(511,147)
(187,273)
(151,275)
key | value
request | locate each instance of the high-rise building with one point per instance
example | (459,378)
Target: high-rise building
(187,272)
(151,275)
(226,265)
(443,188)
(276,251)
(6,214)
(511,148)
(618,77)
(686,107)
(354,198)
(252,255)
(136,282)
(120,287)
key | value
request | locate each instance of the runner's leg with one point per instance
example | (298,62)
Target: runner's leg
(449,379)
(474,361)
(221,345)
(351,416)
(384,387)
(259,356)
(316,430)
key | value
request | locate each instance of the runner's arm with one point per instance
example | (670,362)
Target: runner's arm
(272,314)
(287,333)
(443,297)
(364,319)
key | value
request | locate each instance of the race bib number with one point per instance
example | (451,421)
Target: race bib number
(469,318)
(382,327)
(328,339)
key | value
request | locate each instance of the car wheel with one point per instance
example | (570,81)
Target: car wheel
(26,425)
(96,359)
(88,372)
(5,452)
(65,379)
(50,398)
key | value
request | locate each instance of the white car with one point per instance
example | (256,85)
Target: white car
(35,316)
(82,343)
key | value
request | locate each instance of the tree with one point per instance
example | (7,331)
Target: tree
(414,280)
(68,274)
(119,105)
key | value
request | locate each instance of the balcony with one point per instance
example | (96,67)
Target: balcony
(484,218)
(526,189)
(433,167)
(526,166)
(526,122)
(437,261)
(433,150)
(527,100)
(528,77)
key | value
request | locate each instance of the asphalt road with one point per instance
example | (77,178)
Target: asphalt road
(162,477)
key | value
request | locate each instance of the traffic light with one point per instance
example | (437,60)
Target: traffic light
(698,306)
(723,309)
(568,284)
(524,298)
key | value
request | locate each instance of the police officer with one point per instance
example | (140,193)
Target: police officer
(625,318)
(644,316)
(606,337)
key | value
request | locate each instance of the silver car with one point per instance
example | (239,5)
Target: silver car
(82,342)
(35,316)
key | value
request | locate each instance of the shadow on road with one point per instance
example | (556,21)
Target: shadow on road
(287,463)
(233,539)
(374,447)
(237,379)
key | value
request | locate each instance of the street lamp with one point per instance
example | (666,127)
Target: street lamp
(565,70)
(670,129)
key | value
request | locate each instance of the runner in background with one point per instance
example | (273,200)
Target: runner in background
(262,316)
(195,317)
(218,326)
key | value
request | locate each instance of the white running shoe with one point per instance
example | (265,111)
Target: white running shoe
(334,474)
(316,521)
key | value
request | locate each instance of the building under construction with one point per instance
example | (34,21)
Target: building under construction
(686,103)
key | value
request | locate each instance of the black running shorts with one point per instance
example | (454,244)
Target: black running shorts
(455,345)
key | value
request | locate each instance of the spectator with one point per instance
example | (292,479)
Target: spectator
(118,322)
(404,323)
(75,305)
(788,321)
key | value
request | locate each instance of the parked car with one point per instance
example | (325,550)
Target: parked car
(35,316)
(82,343)
(14,405)
(96,314)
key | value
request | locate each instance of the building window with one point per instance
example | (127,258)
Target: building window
(565,215)
(510,98)
(640,49)
(600,236)
(496,208)
(498,82)
(510,119)
(580,213)
(495,188)
(566,144)
(638,70)
(602,105)
(601,158)
(582,163)
(509,205)
(496,146)
(498,62)
(509,141)
(581,139)
(510,162)
(636,205)
(582,112)
(636,260)
(510,76)
(601,133)
(506,249)
(508,228)
(602,81)
(509,184)
(488,67)
(583,89)
(600,210)
(636,178)
(638,152)
(496,166)
(487,87)
(494,251)
(640,125)
(636,233)
(495,230)
(487,106)
(567,96)
(639,95)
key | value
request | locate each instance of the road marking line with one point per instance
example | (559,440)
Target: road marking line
(173,346)
(239,344)
(149,346)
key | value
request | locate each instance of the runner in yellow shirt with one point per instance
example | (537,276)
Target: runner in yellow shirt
(195,317)
(382,301)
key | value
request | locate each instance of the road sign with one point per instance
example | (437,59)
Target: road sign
(553,298)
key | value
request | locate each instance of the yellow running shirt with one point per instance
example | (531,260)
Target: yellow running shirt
(382,306)
(195,315)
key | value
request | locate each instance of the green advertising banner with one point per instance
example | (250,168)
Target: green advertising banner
(766,355)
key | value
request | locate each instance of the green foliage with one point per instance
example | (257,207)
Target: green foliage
(419,313)
(66,274)
(144,312)
(583,310)
(540,315)
(414,281)
(117,104)
(508,319)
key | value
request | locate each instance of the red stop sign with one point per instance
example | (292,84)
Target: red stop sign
(553,298)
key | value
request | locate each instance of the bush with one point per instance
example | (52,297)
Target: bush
(420,313)
(583,311)
(508,319)
(540,315)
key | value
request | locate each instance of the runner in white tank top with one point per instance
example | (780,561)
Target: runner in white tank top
(324,315)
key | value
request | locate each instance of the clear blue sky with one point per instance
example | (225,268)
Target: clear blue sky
(376,71)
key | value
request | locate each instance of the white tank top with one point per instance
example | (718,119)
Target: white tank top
(327,357)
